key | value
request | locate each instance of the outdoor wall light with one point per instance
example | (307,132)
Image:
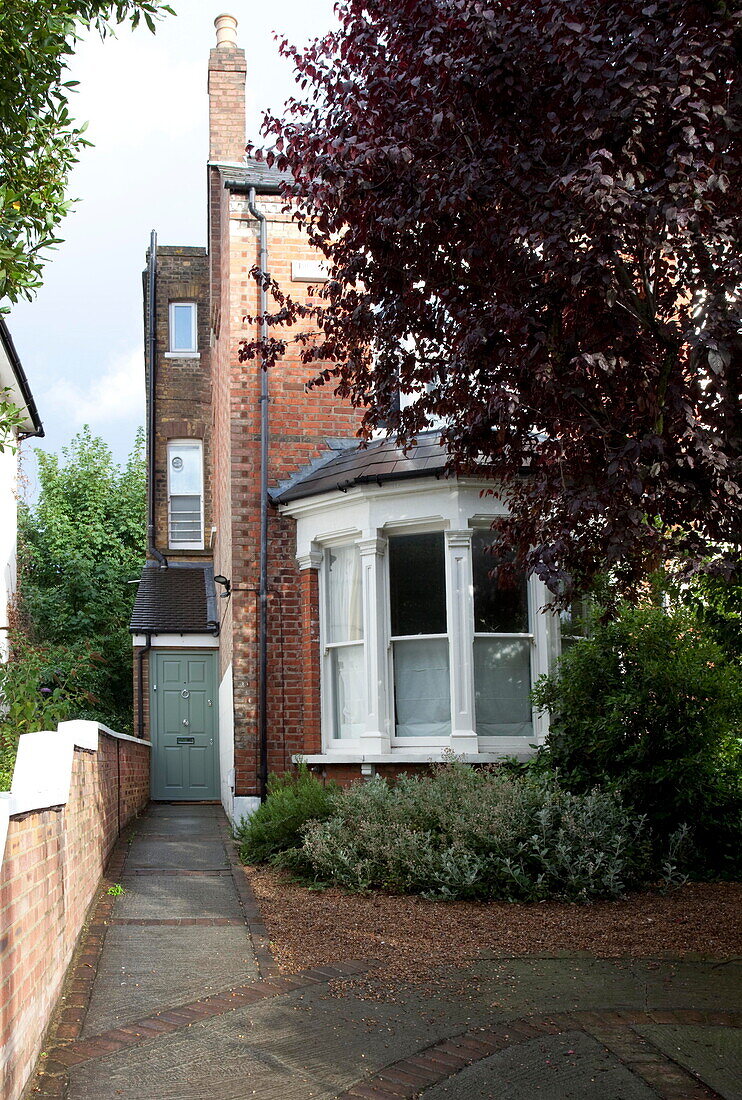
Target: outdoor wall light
(219,579)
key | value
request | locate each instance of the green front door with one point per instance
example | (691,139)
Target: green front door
(184,727)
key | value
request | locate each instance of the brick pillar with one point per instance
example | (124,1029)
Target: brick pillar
(309,567)
(227,70)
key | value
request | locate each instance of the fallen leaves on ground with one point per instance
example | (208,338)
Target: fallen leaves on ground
(412,939)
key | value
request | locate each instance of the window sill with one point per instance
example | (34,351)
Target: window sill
(405,756)
(182,355)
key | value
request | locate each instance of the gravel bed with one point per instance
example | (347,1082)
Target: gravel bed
(411,939)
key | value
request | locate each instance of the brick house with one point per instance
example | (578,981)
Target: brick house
(323,600)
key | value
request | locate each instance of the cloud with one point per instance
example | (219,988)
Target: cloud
(114,396)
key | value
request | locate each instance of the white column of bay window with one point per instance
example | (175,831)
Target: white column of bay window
(375,738)
(545,630)
(459,589)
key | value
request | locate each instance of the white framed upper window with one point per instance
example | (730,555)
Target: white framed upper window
(182,318)
(185,480)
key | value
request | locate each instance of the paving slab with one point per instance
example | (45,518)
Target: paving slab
(175,826)
(170,897)
(143,969)
(195,853)
(520,987)
(713,1053)
(571,1066)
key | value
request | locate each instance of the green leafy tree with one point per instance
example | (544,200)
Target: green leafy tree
(81,543)
(39,140)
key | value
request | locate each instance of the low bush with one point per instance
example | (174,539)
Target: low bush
(293,800)
(649,707)
(463,833)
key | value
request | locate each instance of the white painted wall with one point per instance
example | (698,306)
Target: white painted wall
(235,807)
(226,741)
(8,535)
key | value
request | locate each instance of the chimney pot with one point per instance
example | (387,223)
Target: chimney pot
(226,31)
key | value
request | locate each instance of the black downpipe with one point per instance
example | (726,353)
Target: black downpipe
(143,652)
(152,551)
(263,581)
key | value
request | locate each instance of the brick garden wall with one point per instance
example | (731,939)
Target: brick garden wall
(53,862)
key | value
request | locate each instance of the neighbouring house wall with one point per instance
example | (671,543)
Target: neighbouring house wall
(53,861)
(8,528)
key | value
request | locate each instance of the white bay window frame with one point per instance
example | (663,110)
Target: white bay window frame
(368,516)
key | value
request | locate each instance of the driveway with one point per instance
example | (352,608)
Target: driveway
(174,994)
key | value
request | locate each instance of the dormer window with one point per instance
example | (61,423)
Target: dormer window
(185,494)
(182,327)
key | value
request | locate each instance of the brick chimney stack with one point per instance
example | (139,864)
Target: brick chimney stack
(227,71)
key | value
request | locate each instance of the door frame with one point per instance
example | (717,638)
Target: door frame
(182,651)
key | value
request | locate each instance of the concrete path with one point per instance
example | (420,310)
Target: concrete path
(174,994)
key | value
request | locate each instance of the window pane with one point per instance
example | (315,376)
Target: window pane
(502,683)
(185,519)
(185,468)
(347,691)
(499,607)
(344,614)
(574,622)
(181,320)
(417,581)
(422,694)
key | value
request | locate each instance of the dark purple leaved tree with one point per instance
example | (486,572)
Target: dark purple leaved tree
(531,212)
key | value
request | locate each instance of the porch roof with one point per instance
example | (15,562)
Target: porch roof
(178,600)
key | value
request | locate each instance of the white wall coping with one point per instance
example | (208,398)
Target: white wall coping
(43,768)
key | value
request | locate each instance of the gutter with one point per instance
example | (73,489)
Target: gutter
(152,550)
(263,580)
(23,386)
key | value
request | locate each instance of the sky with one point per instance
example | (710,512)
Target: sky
(144,97)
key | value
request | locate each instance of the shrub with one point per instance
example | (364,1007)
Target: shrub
(467,834)
(40,686)
(293,800)
(649,707)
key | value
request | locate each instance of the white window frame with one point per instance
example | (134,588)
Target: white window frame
(173,445)
(182,353)
(416,742)
(491,744)
(327,687)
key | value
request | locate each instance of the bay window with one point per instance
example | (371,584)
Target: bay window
(426,644)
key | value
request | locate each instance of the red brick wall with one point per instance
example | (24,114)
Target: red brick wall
(183,401)
(52,865)
(300,422)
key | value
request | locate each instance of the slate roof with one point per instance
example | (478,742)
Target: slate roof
(178,600)
(380,461)
(254,173)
